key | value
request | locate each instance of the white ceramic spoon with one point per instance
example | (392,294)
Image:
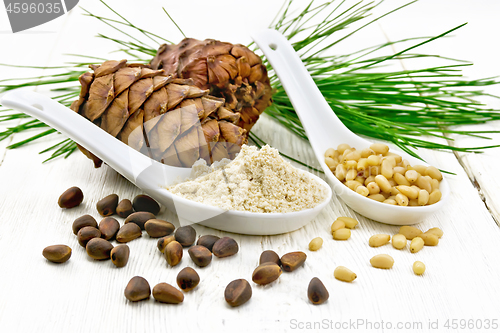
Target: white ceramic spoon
(325,130)
(151,176)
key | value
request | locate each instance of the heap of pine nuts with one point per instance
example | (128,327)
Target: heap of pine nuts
(383,176)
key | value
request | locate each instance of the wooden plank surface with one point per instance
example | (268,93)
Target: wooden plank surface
(461,281)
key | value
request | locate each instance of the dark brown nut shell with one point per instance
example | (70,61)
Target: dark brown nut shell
(188,279)
(207,241)
(266,273)
(99,249)
(109,227)
(173,253)
(70,198)
(238,292)
(163,242)
(270,256)
(107,205)
(316,292)
(137,289)
(139,218)
(185,235)
(119,255)
(158,228)
(165,293)
(124,208)
(128,232)
(144,203)
(57,253)
(225,247)
(293,260)
(87,233)
(200,255)
(83,221)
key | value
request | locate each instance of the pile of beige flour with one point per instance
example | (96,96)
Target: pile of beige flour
(255,181)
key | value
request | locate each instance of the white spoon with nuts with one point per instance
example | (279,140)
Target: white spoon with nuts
(325,130)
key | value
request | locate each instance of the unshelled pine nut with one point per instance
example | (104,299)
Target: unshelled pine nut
(338,224)
(416,244)
(379,240)
(399,241)
(316,244)
(384,261)
(418,267)
(342,234)
(349,222)
(409,232)
(436,231)
(429,239)
(344,274)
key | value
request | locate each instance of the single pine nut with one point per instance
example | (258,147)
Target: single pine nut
(386,170)
(434,184)
(400,179)
(351,174)
(379,240)
(434,197)
(420,169)
(379,148)
(331,153)
(344,274)
(373,160)
(367,152)
(362,190)
(435,231)
(410,192)
(418,268)
(402,199)
(373,188)
(342,147)
(409,232)
(331,163)
(376,197)
(424,184)
(416,244)
(390,201)
(369,179)
(423,197)
(429,239)
(352,184)
(353,156)
(399,241)
(350,164)
(383,183)
(316,244)
(340,172)
(338,224)
(396,157)
(384,261)
(405,164)
(350,223)
(411,175)
(342,234)
(401,170)
(362,164)
(433,172)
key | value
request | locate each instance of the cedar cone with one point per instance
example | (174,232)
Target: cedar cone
(167,118)
(232,72)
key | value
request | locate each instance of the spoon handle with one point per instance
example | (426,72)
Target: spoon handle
(317,118)
(119,156)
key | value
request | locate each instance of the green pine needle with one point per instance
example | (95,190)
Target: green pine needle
(404,107)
